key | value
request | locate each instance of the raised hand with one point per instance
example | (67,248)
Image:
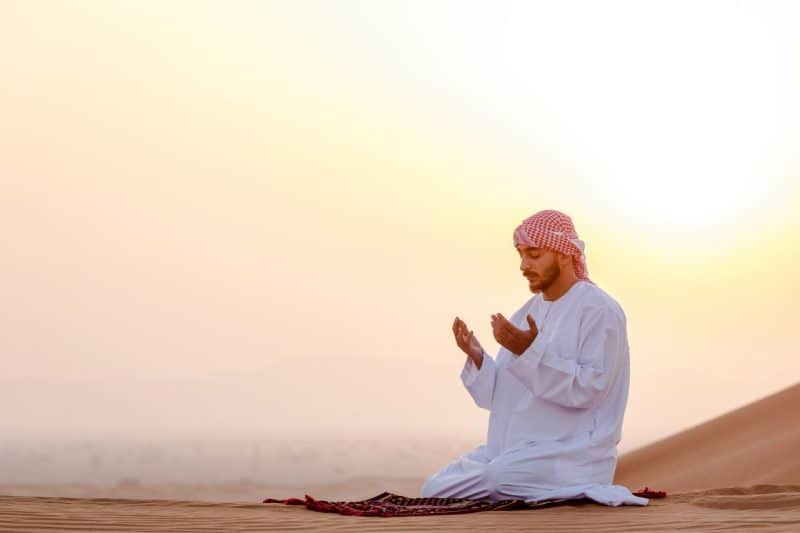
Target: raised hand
(466,340)
(510,336)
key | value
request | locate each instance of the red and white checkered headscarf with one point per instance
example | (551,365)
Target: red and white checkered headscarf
(553,230)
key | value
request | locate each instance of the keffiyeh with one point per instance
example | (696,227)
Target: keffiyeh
(553,230)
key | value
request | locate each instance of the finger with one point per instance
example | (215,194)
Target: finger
(501,335)
(501,319)
(531,322)
(473,340)
(510,329)
(496,322)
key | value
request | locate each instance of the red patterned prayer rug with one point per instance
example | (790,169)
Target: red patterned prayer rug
(388,504)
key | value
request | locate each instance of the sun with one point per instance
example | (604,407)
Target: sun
(664,126)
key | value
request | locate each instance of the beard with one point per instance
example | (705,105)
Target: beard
(544,280)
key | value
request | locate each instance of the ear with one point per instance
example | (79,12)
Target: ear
(565,262)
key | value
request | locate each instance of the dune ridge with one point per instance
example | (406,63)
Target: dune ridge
(755,444)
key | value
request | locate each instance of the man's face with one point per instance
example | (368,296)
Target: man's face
(540,266)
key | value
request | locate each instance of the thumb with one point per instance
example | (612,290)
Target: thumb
(531,322)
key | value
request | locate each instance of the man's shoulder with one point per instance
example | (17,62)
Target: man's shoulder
(525,307)
(598,298)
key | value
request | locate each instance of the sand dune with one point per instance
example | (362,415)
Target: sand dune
(739,471)
(755,444)
(765,507)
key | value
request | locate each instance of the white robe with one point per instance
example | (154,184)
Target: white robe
(556,410)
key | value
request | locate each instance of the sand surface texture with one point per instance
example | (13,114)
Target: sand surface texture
(739,471)
(762,507)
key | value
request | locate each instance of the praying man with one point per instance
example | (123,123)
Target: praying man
(556,391)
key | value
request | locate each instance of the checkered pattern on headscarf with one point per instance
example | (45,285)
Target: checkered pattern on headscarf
(553,230)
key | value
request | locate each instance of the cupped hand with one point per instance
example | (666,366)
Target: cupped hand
(466,340)
(510,336)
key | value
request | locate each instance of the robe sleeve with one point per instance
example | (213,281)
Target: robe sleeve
(575,380)
(480,383)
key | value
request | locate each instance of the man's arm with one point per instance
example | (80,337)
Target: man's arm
(479,380)
(479,371)
(575,380)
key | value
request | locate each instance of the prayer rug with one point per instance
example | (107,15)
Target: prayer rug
(388,504)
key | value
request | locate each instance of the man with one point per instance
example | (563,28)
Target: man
(558,389)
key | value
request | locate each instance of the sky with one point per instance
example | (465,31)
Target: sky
(259,219)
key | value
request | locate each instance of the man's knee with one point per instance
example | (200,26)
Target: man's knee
(477,484)
(431,487)
(427,489)
(491,477)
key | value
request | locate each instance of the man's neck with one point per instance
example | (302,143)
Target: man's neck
(559,287)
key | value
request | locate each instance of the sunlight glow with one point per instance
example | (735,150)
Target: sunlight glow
(675,114)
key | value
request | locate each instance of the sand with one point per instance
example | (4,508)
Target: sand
(764,507)
(738,471)
(755,444)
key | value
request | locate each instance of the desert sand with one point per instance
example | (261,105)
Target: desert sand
(738,471)
(756,444)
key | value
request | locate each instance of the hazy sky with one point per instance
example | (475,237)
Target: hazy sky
(260,218)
